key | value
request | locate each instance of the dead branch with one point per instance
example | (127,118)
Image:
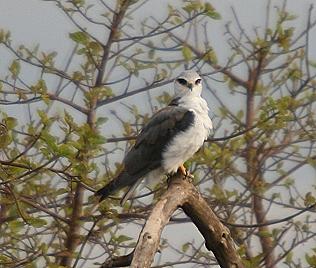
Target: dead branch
(182,193)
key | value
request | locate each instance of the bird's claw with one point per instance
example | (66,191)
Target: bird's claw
(188,176)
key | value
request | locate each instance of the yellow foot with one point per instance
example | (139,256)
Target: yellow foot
(185,172)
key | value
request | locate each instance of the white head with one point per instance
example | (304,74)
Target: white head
(188,83)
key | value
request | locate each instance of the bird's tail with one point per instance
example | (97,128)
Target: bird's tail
(121,181)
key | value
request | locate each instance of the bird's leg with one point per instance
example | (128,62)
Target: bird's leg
(185,172)
(182,170)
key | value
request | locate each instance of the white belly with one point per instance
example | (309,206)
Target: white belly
(184,145)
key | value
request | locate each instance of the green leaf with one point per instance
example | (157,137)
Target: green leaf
(5,259)
(276,232)
(61,191)
(123,238)
(295,74)
(265,234)
(16,225)
(187,53)
(51,142)
(101,120)
(2,33)
(94,47)
(240,114)
(214,15)
(193,6)
(31,265)
(309,199)
(79,37)
(15,69)
(45,98)
(211,12)
(66,150)
(44,117)
(78,76)
(10,122)
(5,140)
(211,57)
(289,258)
(218,192)
(4,36)
(311,260)
(39,87)
(37,222)
(223,111)
(252,262)
(48,59)
(312,63)
(69,120)
(185,247)
(79,3)
(97,140)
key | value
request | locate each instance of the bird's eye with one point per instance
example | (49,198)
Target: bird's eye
(182,81)
(198,81)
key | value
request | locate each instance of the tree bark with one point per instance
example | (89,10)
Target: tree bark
(254,171)
(182,194)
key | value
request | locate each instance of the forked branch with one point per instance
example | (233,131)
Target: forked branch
(182,194)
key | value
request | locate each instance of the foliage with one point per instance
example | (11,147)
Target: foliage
(62,141)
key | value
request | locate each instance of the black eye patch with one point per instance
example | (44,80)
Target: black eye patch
(198,81)
(182,81)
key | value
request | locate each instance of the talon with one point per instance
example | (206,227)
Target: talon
(189,176)
(182,170)
(185,172)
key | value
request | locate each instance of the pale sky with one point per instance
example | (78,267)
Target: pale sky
(34,21)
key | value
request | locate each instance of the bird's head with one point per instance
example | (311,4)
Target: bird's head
(188,83)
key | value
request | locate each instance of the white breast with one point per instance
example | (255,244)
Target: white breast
(185,144)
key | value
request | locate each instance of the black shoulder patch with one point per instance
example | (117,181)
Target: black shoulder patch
(155,137)
(186,122)
(174,102)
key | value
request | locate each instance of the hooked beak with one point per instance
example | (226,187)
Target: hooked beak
(190,86)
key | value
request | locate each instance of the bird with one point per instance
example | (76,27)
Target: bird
(169,138)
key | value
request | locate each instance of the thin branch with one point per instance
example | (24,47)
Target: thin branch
(68,102)
(117,19)
(271,222)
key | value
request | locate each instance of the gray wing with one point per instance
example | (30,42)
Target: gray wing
(146,154)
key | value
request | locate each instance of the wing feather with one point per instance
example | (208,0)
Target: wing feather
(154,137)
(146,154)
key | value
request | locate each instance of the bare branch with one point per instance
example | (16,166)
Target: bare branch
(181,193)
